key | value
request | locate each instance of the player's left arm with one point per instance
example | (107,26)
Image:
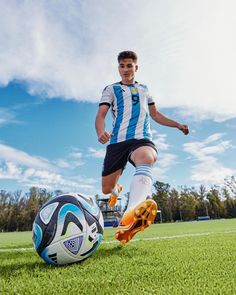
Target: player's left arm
(163,120)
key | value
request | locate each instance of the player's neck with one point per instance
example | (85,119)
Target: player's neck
(127,82)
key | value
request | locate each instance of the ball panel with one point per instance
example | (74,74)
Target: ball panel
(55,254)
(64,198)
(88,204)
(70,222)
(68,229)
(47,212)
(74,244)
(101,221)
(89,248)
(37,235)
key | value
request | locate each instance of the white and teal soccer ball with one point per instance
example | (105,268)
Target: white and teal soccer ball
(68,229)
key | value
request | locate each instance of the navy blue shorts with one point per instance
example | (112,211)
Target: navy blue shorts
(118,154)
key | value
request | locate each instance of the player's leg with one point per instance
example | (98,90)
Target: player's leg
(140,212)
(109,181)
(110,186)
(141,185)
(113,166)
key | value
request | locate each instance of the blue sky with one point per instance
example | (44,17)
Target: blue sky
(58,57)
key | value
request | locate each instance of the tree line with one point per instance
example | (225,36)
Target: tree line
(189,204)
(18,210)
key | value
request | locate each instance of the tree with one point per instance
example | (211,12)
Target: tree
(174,204)
(161,198)
(231,184)
(18,211)
(216,207)
(202,203)
(229,203)
(188,205)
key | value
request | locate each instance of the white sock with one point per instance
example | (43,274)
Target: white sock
(141,185)
(115,191)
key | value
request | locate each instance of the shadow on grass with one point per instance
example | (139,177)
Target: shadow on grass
(104,252)
(122,251)
(17,268)
(29,263)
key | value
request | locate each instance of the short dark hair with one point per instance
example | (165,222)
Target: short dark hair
(127,54)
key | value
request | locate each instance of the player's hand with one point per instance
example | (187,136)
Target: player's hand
(183,128)
(104,137)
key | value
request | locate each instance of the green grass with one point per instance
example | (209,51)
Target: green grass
(16,240)
(197,264)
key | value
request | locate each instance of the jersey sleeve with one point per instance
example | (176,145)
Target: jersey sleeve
(150,99)
(107,96)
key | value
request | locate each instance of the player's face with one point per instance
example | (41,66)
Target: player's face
(127,68)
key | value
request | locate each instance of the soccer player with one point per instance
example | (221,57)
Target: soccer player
(130,140)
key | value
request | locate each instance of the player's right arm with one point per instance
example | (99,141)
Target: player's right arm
(103,135)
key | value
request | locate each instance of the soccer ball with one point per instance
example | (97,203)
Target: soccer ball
(67,229)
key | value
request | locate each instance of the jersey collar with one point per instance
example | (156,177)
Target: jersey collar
(129,85)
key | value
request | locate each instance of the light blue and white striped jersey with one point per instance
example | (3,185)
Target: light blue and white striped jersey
(129,106)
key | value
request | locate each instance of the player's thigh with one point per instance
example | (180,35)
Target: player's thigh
(109,181)
(144,155)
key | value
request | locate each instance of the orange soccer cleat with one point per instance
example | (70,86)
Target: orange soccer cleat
(113,197)
(135,220)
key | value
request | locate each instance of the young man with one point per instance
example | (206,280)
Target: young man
(130,140)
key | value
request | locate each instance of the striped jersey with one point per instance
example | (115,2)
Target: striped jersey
(129,107)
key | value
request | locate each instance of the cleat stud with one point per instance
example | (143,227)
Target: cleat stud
(149,222)
(135,218)
(142,228)
(123,242)
(137,212)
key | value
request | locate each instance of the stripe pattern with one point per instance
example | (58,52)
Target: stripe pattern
(129,106)
(120,112)
(144,170)
(130,133)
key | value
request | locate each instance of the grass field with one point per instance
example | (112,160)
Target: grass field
(179,258)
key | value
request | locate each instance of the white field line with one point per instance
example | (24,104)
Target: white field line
(174,237)
(139,240)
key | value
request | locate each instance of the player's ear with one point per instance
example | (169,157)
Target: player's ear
(136,68)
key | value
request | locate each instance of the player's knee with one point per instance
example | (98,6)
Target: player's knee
(146,158)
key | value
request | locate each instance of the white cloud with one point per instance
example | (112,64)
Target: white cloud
(213,137)
(50,180)
(9,170)
(77,155)
(68,49)
(30,171)
(96,153)
(200,149)
(160,141)
(74,160)
(209,169)
(8,153)
(28,177)
(165,160)
(201,113)
(7,116)
(63,163)
(217,149)
(164,164)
